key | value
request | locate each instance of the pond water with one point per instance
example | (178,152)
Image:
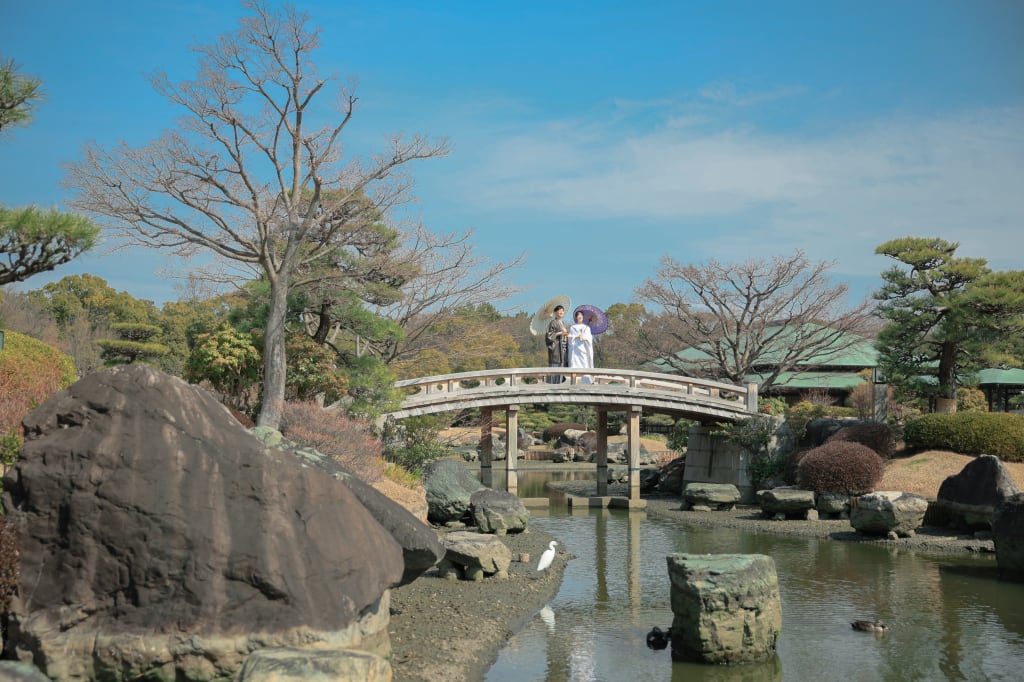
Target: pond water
(950,617)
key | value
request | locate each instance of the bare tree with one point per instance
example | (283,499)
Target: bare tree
(446,277)
(764,315)
(248,176)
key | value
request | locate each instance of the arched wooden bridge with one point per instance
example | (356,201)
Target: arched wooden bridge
(632,392)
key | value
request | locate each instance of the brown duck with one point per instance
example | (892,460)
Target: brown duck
(869,626)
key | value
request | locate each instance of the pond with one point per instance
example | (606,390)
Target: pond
(950,617)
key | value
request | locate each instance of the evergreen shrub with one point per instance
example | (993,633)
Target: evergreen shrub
(773,406)
(969,433)
(879,437)
(679,437)
(840,467)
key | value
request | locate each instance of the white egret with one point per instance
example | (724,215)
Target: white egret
(547,557)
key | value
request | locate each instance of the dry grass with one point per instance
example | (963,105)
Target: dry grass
(923,473)
(415,501)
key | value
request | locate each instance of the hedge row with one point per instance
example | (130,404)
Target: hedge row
(969,433)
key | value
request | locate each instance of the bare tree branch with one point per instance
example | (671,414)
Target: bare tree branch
(246,174)
(764,315)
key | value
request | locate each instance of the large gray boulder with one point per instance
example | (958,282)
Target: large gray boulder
(788,502)
(421,548)
(726,608)
(449,486)
(968,500)
(159,539)
(649,480)
(713,495)
(498,511)
(670,476)
(888,511)
(1008,536)
(477,554)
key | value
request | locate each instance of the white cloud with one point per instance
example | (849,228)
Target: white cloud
(955,175)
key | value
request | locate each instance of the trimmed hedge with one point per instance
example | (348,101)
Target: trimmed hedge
(840,467)
(30,372)
(969,433)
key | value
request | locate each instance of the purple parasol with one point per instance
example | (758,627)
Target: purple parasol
(593,317)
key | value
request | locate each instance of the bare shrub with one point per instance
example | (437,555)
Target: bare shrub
(840,467)
(347,441)
(862,400)
(879,437)
(818,396)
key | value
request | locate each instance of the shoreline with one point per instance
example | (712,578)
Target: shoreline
(454,629)
(444,629)
(748,517)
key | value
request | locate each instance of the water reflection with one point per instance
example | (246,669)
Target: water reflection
(950,617)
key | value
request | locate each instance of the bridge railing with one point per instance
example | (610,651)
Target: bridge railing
(534,378)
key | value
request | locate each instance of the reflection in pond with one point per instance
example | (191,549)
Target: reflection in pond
(950,617)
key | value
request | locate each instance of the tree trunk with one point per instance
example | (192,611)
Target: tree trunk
(946,402)
(275,364)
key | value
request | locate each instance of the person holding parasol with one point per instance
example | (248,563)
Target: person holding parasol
(581,346)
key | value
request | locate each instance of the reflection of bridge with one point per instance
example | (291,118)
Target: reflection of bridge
(626,391)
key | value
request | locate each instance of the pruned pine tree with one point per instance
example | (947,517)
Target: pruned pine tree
(135,344)
(947,316)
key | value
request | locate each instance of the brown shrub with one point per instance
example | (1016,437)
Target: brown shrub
(879,437)
(241,418)
(347,441)
(840,467)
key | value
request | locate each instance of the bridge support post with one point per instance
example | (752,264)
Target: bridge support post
(602,453)
(512,440)
(752,398)
(486,448)
(634,452)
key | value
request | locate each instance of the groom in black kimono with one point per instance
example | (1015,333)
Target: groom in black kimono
(557,340)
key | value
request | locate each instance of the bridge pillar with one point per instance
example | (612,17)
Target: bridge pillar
(512,439)
(602,452)
(633,438)
(486,448)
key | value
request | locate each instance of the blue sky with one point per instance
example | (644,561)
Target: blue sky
(597,136)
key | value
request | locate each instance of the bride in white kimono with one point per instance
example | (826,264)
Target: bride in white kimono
(581,346)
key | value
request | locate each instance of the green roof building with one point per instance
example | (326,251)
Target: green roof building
(834,372)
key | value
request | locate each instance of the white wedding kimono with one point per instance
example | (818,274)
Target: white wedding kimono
(581,349)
